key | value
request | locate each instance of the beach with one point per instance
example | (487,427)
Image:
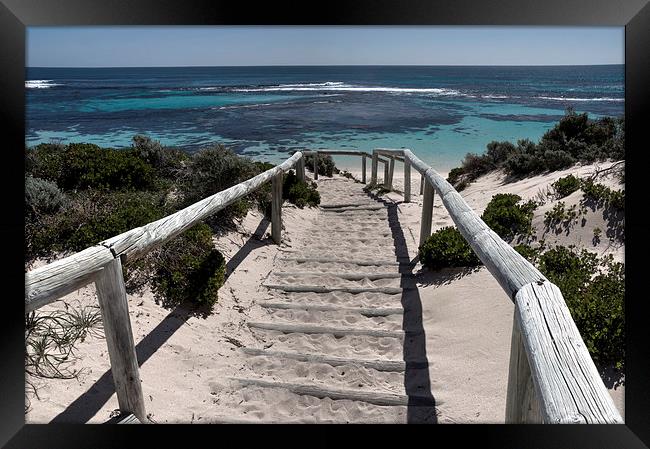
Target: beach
(187,360)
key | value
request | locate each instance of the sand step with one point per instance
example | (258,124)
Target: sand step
(329,281)
(338,267)
(323,289)
(339,319)
(348,346)
(369,300)
(343,210)
(316,329)
(367,260)
(351,238)
(349,205)
(294,256)
(349,375)
(377,364)
(249,404)
(371,397)
(365,311)
(374,234)
(347,276)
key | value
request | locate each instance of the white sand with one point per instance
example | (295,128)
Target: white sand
(186,361)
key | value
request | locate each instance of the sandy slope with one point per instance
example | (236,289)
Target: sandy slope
(187,361)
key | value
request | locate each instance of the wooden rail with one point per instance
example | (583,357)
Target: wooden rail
(552,377)
(362,154)
(102,264)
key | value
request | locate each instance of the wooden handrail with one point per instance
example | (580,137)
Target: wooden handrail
(552,377)
(102,264)
(46,284)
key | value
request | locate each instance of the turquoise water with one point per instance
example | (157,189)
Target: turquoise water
(441,113)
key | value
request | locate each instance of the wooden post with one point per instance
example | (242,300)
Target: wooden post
(119,338)
(391,169)
(407,181)
(363,169)
(300,169)
(521,404)
(316,165)
(373,168)
(276,208)
(385,174)
(427,213)
(421,184)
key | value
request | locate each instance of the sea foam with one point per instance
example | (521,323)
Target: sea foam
(336,86)
(40,84)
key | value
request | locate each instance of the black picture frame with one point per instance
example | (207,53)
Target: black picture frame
(15,15)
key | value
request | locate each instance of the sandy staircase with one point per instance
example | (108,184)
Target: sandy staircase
(340,336)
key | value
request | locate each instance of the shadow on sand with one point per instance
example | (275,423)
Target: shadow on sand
(421,403)
(89,403)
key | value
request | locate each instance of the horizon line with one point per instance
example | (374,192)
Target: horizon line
(324,65)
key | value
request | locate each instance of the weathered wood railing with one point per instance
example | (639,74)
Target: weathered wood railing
(364,155)
(102,264)
(552,377)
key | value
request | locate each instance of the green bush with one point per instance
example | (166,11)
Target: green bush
(212,170)
(299,192)
(87,166)
(566,186)
(575,138)
(167,162)
(447,248)
(594,290)
(506,217)
(326,166)
(42,197)
(188,269)
(455,175)
(90,217)
(602,196)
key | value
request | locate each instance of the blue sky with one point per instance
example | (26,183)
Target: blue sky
(143,46)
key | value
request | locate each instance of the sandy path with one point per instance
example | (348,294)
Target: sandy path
(351,256)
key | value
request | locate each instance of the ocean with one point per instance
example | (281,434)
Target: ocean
(439,112)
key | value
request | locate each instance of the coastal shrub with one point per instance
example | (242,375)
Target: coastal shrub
(42,197)
(90,217)
(508,218)
(212,170)
(565,186)
(575,138)
(326,166)
(188,269)
(298,192)
(447,248)
(499,152)
(167,162)
(528,252)
(475,166)
(87,166)
(600,195)
(594,290)
(454,175)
